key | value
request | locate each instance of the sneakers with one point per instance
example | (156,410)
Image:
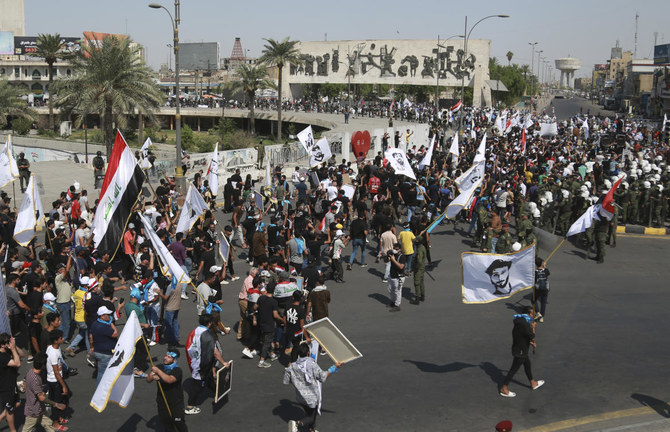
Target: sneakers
(541,319)
(274,357)
(192,410)
(184,296)
(348,266)
(139,374)
(264,364)
(70,352)
(224,282)
(415,301)
(91,361)
(385,280)
(248,353)
(363,265)
(395,309)
(234,278)
(292,426)
(152,343)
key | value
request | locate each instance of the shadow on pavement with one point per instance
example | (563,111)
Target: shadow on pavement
(375,272)
(661,407)
(289,410)
(434,368)
(380,298)
(493,372)
(134,420)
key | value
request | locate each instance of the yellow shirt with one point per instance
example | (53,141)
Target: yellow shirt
(406,239)
(78,297)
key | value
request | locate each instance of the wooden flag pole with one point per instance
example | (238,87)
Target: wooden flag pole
(160,387)
(555,250)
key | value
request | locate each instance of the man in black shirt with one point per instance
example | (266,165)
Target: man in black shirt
(10,361)
(358,232)
(268,313)
(294,323)
(170,377)
(523,336)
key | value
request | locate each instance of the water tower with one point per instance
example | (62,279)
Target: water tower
(568,66)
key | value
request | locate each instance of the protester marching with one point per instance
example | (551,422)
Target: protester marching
(107,281)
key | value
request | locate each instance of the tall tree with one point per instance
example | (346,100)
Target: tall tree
(280,54)
(49,47)
(112,80)
(251,79)
(509,55)
(11,104)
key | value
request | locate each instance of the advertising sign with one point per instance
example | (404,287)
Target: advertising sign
(6,43)
(27,45)
(662,54)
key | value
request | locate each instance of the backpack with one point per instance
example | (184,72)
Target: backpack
(541,280)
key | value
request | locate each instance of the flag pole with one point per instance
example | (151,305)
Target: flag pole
(155,195)
(160,387)
(552,253)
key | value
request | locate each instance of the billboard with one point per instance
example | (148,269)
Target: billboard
(27,45)
(96,38)
(662,54)
(6,43)
(199,55)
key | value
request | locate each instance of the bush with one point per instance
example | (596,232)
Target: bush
(95,135)
(155,134)
(22,125)
(187,137)
(47,133)
(237,140)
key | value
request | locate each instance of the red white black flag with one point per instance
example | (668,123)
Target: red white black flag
(120,190)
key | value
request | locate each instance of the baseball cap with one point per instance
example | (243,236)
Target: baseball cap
(339,226)
(131,225)
(214,269)
(48,297)
(339,233)
(104,310)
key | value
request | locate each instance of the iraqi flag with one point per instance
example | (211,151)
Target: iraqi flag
(194,351)
(457,107)
(607,206)
(523,141)
(119,193)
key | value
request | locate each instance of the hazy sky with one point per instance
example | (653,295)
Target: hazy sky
(585,29)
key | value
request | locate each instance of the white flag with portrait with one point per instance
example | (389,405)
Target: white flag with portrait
(144,155)
(319,153)
(30,214)
(118,382)
(213,172)
(8,169)
(168,262)
(491,277)
(398,161)
(306,138)
(194,206)
(467,183)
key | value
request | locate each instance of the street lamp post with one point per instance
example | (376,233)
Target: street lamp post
(532,57)
(179,174)
(538,65)
(466,35)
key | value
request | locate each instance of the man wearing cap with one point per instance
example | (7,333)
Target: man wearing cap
(133,305)
(170,377)
(336,261)
(102,337)
(301,189)
(396,276)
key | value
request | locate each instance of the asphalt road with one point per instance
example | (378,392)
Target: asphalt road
(566,108)
(438,366)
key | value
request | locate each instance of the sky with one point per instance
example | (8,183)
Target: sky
(585,29)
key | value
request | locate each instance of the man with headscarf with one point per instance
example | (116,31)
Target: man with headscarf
(169,395)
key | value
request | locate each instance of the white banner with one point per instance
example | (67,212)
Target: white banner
(548,129)
(306,138)
(144,155)
(8,169)
(491,277)
(193,207)
(164,254)
(30,214)
(468,183)
(118,382)
(428,157)
(213,172)
(481,151)
(398,161)
(319,153)
(585,221)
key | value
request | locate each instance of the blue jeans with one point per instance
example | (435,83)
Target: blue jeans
(66,317)
(103,361)
(408,263)
(358,243)
(151,314)
(172,326)
(410,212)
(82,334)
(186,270)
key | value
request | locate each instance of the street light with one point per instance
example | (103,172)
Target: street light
(179,174)
(532,57)
(465,56)
(538,65)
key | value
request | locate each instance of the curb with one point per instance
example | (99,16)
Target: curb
(639,229)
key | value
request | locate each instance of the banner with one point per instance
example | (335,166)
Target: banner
(429,155)
(398,161)
(320,153)
(453,150)
(548,129)
(9,171)
(585,221)
(213,172)
(30,214)
(491,277)
(144,154)
(306,138)
(118,382)
(481,151)
(194,206)
(169,264)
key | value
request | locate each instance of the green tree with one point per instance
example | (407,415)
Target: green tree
(11,104)
(112,80)
(509,56)
(251,79)
(22,125)
(49,47)
(280,54)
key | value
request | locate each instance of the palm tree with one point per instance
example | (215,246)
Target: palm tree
(280,54)
(11,104)
(251,79)
(49,47)
(509,55)
(112,80)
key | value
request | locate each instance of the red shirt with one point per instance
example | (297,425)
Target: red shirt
(76,209)
(128,243)
(373,184)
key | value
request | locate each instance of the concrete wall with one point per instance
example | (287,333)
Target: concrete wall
(12,17)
